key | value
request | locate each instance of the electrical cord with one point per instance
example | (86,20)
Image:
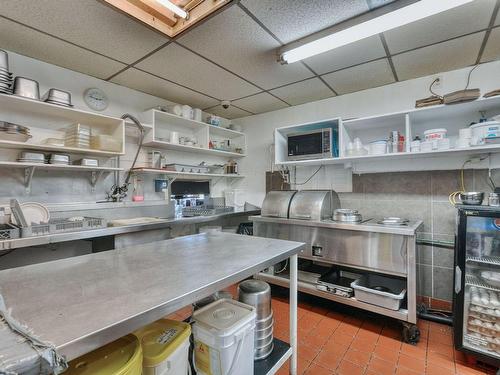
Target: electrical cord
(432,92)
(468,76)
(309,179)
(453,196)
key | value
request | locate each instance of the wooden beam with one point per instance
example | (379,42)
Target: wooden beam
(143,16)
(202,10)
(156,9)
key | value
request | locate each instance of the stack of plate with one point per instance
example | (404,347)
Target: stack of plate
(77,135)
(5,75)
(31,157)
(13,132)
(257,293)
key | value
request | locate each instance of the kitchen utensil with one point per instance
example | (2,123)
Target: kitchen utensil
(77,129)
(174,137)
(34,213)
(197,114)
(105,143)
(187,168)
(26,87)
(494,199)
(18,213)
(16,137)
(59,159)
(28,155)
(378,147)
(347,215)
(187,112)
(57,96)
(393,221)
(4,60)
(256,293)
(53,142)
(87,162)
(472,198)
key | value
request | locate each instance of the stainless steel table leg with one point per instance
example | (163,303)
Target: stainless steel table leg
(293,314)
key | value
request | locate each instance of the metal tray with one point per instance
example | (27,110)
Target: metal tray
(363,291)
(205,211)
(8,232)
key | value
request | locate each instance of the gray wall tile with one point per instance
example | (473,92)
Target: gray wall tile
(424,280)
(443,257)
(443,218)
(442,283)
(424,255)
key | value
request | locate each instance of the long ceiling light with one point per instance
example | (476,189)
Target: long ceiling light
(390,20)
(174,8)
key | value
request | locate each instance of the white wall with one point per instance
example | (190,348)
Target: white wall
(391,98)
(50,187)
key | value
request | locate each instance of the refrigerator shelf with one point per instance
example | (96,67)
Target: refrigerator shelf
(475,281)
(480,344)
(494,261)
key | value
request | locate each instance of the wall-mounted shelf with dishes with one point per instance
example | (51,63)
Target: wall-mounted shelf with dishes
(187,175)
(177,133)
(362,141)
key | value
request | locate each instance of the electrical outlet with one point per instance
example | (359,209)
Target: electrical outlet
(438,82)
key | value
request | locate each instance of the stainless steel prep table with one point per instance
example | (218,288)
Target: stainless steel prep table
(6,245)
(81,303)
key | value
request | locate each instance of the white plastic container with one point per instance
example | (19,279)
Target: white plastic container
(235,198)
(378,147)
(365,290)
(224,338)
(435,134)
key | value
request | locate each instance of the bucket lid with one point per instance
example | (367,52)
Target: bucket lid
(224,315)
(162,339)
(116,358)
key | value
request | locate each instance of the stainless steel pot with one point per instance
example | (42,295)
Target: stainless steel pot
(256,293)
(27,88)
(262,353)
(265,322)
(264,341)
(472,198)
(262,333)
(347,215)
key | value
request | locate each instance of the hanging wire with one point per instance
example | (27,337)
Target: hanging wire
(430,88)
(309,179)
(468,76)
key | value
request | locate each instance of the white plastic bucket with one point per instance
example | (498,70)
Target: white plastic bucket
(235,198)
(224,338)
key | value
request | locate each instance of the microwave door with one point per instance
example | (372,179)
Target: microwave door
(305,145)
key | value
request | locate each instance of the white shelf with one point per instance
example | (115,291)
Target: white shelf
(74,150)
(223,132)
(186,175)
(63,167)
(193,149)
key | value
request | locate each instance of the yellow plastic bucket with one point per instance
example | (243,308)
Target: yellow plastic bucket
(121,357)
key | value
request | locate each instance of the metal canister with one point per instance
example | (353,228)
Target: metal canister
(494,199)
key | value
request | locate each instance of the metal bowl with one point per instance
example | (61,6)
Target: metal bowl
(57,95)
(256,293)
(472,198)
(4,60)
(347,215)
(262,353)
(27,88)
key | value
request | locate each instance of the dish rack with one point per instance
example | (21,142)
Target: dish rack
(8,232)
(56,226)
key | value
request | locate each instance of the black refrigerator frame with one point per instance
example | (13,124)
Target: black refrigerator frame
(459,277)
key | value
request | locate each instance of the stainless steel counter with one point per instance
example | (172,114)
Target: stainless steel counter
(81,303)
(112,231)
(366,226)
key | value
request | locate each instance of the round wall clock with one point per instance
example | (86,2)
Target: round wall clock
(96,99)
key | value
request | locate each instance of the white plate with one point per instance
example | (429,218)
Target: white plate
(16,137)
(34,212)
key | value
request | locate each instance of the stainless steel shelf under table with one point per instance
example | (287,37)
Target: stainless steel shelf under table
(79,304)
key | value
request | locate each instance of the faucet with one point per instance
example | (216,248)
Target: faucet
(118,192)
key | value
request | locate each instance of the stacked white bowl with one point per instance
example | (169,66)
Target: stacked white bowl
(257,293)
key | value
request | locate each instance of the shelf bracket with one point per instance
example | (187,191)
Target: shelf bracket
(94,177)
(28,177)
(216,181)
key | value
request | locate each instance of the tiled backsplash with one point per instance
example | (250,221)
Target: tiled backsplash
(423,196)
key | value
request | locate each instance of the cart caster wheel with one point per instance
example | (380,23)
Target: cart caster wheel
(411,334)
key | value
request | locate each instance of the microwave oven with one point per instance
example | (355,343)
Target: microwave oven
(313,144)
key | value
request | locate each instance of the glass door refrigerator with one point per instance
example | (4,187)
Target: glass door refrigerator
(476,302)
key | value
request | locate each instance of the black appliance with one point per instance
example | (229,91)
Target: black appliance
(310,144)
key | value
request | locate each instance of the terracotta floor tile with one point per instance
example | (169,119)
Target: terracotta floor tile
(348,368)
(468,370)
(389,343)
(341,338)
(440,360)
(368,334)
(329,359)
(386,354)
(414,364)
(366,345)
(330,324)
(418,351)
(348,329)
(358,357)
(301,367)
(315,341)
(441,338)
(445,350)
(406,371)
(307,353)
(438,370)
(460,357)
(381,367)
(315,369)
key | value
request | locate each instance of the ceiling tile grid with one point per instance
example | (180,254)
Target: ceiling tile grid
(361,77)
(441,57)
(87,23)
(233,40)
(26,41)
(459,21)
(142,81)
(492,49)
(229,113)
(263,102)
(177,64)
(302,92)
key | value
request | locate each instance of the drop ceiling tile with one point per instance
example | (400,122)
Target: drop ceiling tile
(290,20)
(303,92)
(25,41)
(452,23)
(87,23)
(492,49)
(378,3)
(182,66)
(230,113)
(234,40)
(343,57)
(442,57)
(361,77)
(138,80)
(497,21)
(260,103)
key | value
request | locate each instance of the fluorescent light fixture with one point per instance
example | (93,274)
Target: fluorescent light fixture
(174,8)
(388,21)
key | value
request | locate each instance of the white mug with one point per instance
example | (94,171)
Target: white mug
(197,114)
(174,137)
(187,112)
